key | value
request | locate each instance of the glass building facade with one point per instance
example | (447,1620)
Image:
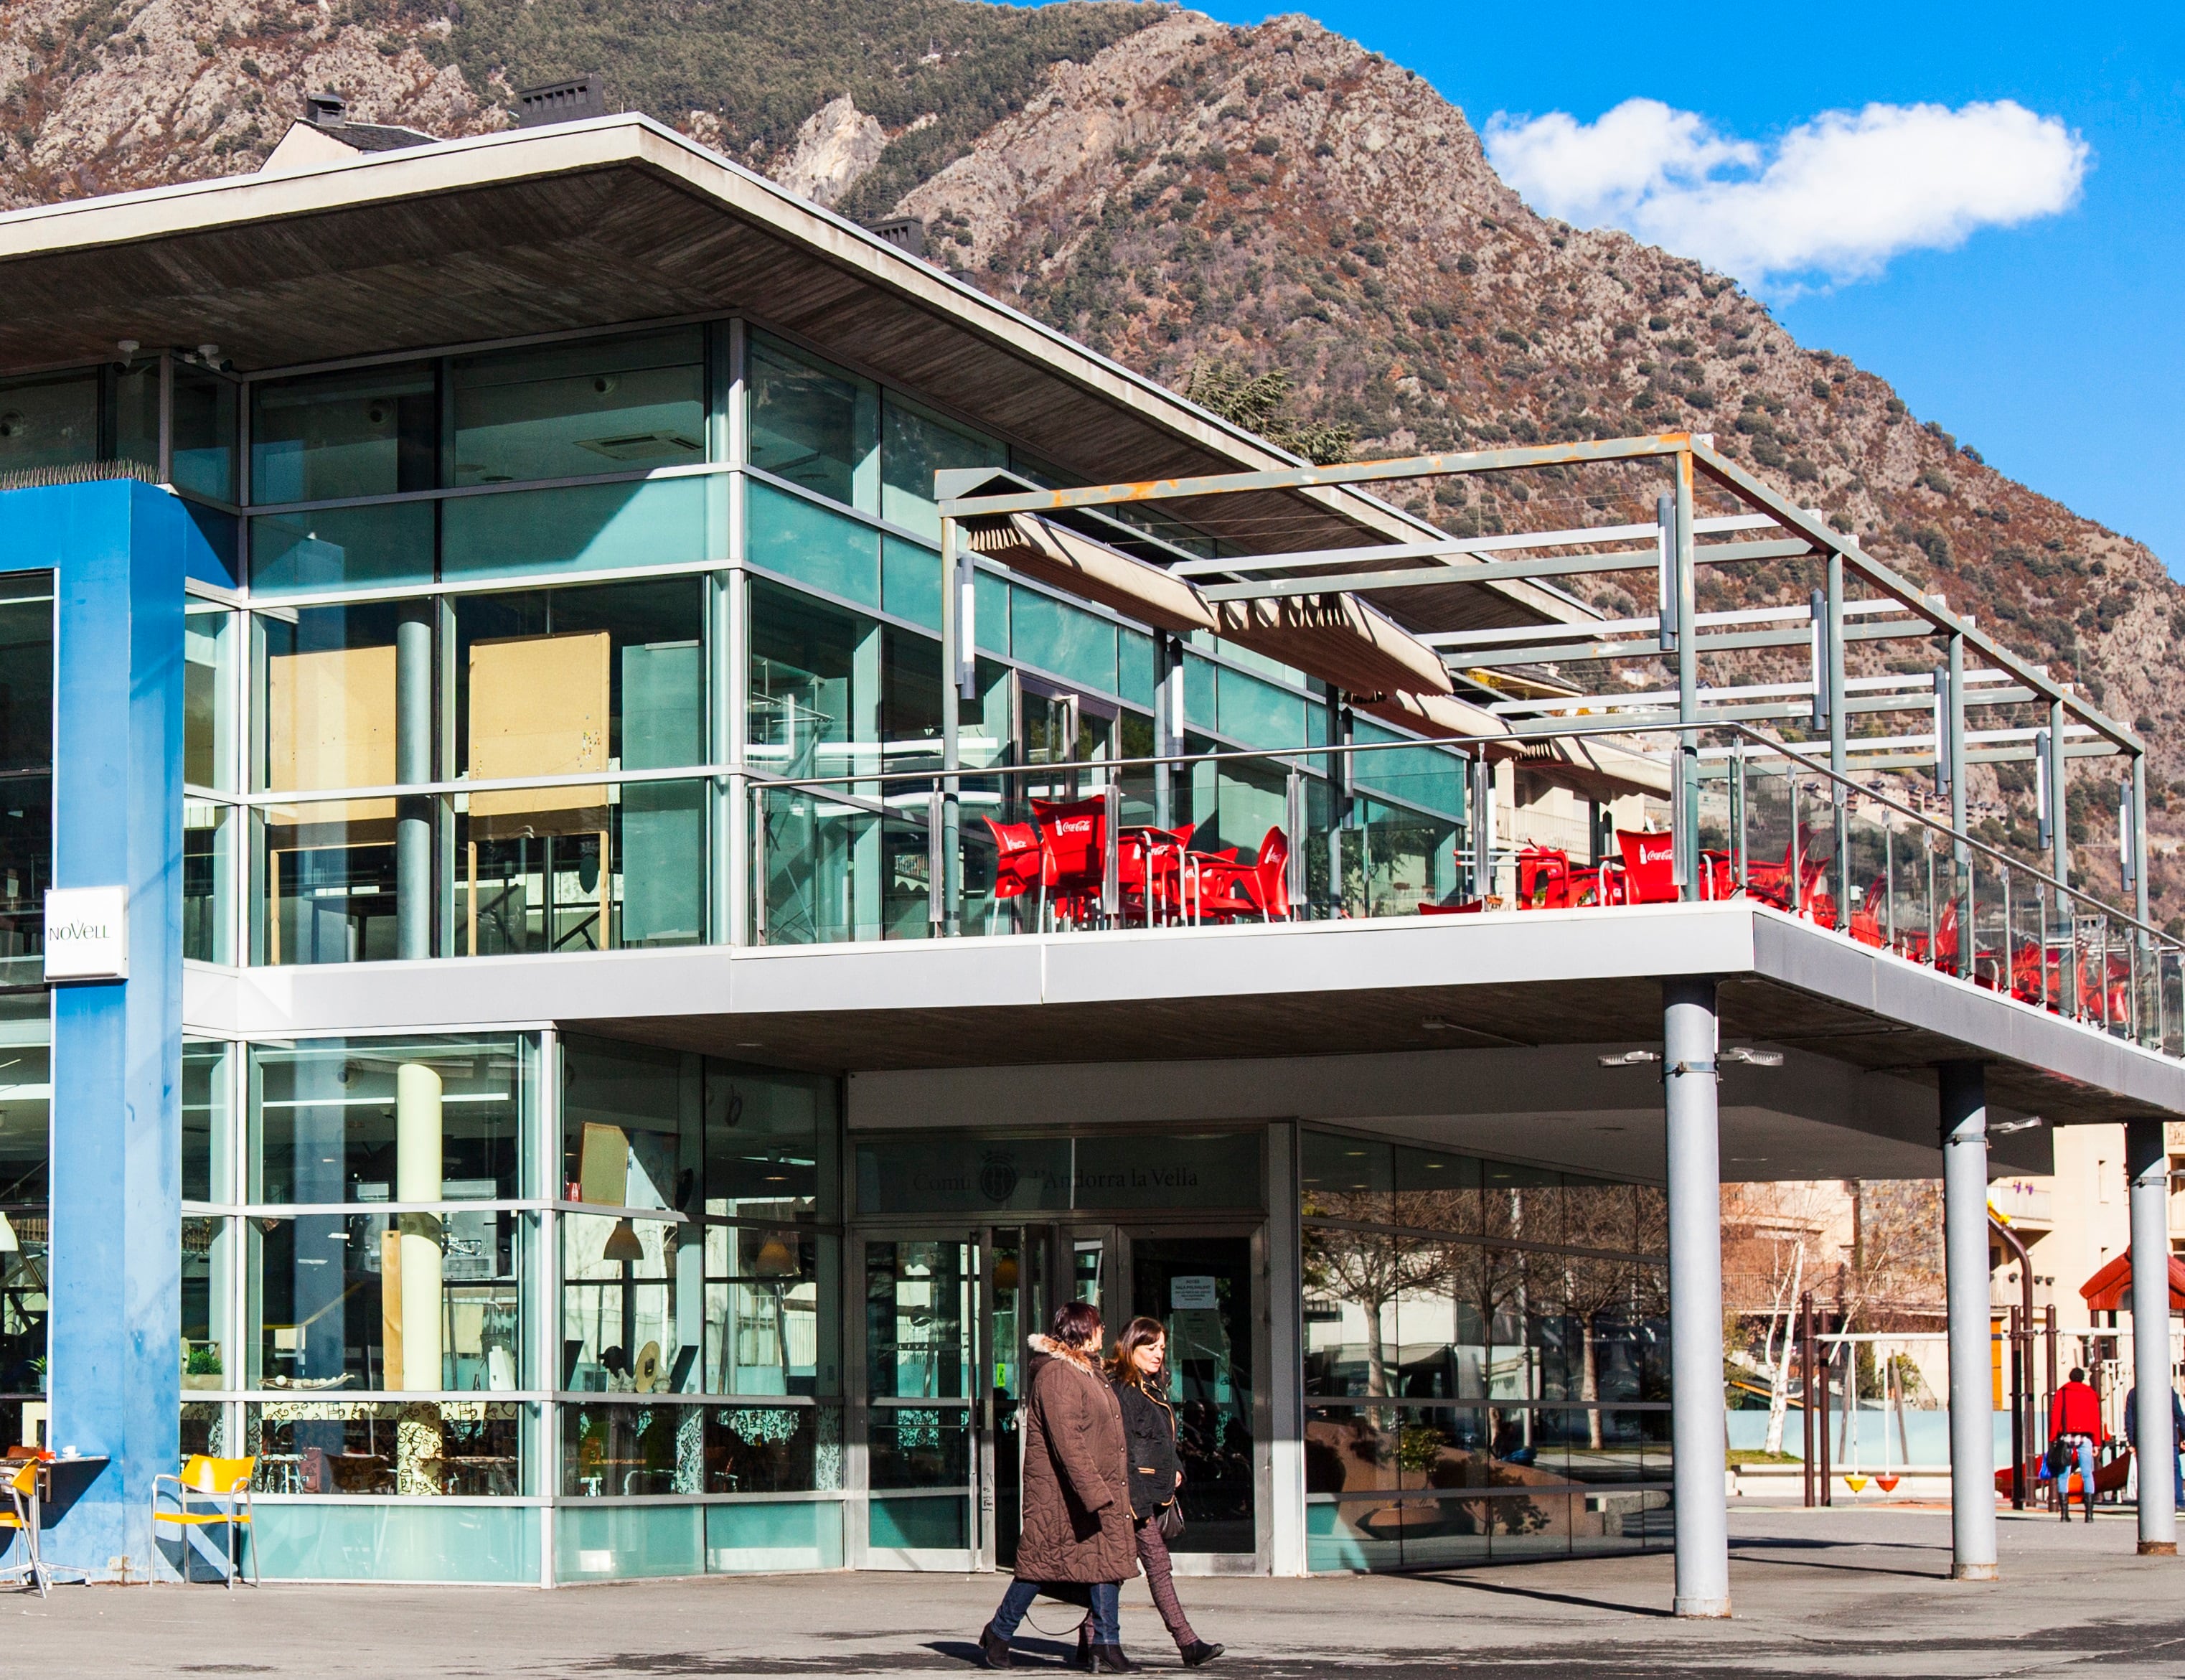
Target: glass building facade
(536,650)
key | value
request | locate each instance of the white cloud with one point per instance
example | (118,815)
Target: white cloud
(1835,198)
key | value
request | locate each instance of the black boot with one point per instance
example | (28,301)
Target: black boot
(1084,1644)
(1198,1652)
(994,1648)
(1110,1660)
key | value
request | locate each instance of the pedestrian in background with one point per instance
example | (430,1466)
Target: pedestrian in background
(1077,1528)
(2075,1429)
(2177,1441)
(1140,1374)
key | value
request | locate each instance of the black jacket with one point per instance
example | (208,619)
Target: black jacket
(1149,1429)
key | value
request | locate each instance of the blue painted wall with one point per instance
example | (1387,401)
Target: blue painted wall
(119,551)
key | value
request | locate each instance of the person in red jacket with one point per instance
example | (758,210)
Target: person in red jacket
(2075,1428)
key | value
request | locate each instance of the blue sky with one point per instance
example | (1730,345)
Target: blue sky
(2055,346)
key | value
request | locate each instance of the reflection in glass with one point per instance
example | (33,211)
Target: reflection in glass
(365,1120)
(211,639)
(812,424)
(367,431)
(208,1121)
(341,547)
(627,1327)
(48,422)
(914,446)
(763,1318)
(430,1448)
(209,832)
(353,1300)
(208,1278)
(568,409)
(204,433)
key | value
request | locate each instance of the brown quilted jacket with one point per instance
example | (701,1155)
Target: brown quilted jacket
(1076,1475)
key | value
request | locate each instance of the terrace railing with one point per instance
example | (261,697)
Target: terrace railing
(1383,830)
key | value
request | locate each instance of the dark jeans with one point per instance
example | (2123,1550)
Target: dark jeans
(1107,1601)
(1160,1580)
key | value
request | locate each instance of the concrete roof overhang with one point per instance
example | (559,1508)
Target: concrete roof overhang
(1498,1016)
(611,220)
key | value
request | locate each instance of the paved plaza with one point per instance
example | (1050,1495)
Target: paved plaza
(1818,1595)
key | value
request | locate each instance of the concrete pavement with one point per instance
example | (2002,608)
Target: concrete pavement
(1818,1594)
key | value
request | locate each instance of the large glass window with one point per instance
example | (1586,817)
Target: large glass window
(1467,1397)
(814,424)
(570,410)
(369,431)
(713,1268)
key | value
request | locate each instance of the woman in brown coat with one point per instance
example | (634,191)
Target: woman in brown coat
(1077,1528)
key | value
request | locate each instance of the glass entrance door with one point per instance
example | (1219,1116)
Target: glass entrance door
(920,1358)
(1201,1287)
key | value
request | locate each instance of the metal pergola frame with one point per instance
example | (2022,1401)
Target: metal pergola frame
(1972,671)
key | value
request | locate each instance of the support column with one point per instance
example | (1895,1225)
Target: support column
(1697,1426)
(1965,1249)
(2148,1166)
(413,763)
(114,1331)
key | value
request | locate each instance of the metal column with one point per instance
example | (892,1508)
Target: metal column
(1687,789)
(957,660)
(2059,813)
(1965,1246)
(413,763)
(2148,1166)
(1695,1422)
(1832,652)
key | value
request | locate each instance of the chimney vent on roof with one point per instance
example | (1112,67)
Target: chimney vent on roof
(325,110)
(569,101)
(907,234)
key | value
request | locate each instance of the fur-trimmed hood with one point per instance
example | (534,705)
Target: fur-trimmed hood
(1047,1346)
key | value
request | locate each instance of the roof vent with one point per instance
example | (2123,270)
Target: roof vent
(325,110)
(569,101)
(907,234)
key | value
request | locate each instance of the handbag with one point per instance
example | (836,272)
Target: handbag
(2058,1458)
(1170,1519)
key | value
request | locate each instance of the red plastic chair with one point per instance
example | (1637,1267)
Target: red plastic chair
(1229,891)
(1866,919)
(1018,862)
(1649,866)
(1073,836)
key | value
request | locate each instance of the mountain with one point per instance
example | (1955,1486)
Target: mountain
(1194,199)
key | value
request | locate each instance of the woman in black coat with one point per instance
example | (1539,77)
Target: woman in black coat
(1156,1473)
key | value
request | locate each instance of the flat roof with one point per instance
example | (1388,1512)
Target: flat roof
(619,221)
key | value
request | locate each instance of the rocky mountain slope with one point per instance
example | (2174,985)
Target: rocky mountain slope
(1187,197)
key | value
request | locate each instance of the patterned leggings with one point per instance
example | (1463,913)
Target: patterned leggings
(1153,1556)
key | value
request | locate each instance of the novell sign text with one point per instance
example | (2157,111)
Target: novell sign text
(88,933)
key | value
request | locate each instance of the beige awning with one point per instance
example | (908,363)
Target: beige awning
(1091,571)
(1594,769)
(1442,717)
(1339,638)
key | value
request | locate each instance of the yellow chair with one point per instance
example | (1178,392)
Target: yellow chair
(21,1517)
(208,1480)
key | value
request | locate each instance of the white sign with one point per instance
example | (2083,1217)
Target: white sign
(88,933)
(1187,1294)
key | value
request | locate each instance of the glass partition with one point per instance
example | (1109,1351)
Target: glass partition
(51,421)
